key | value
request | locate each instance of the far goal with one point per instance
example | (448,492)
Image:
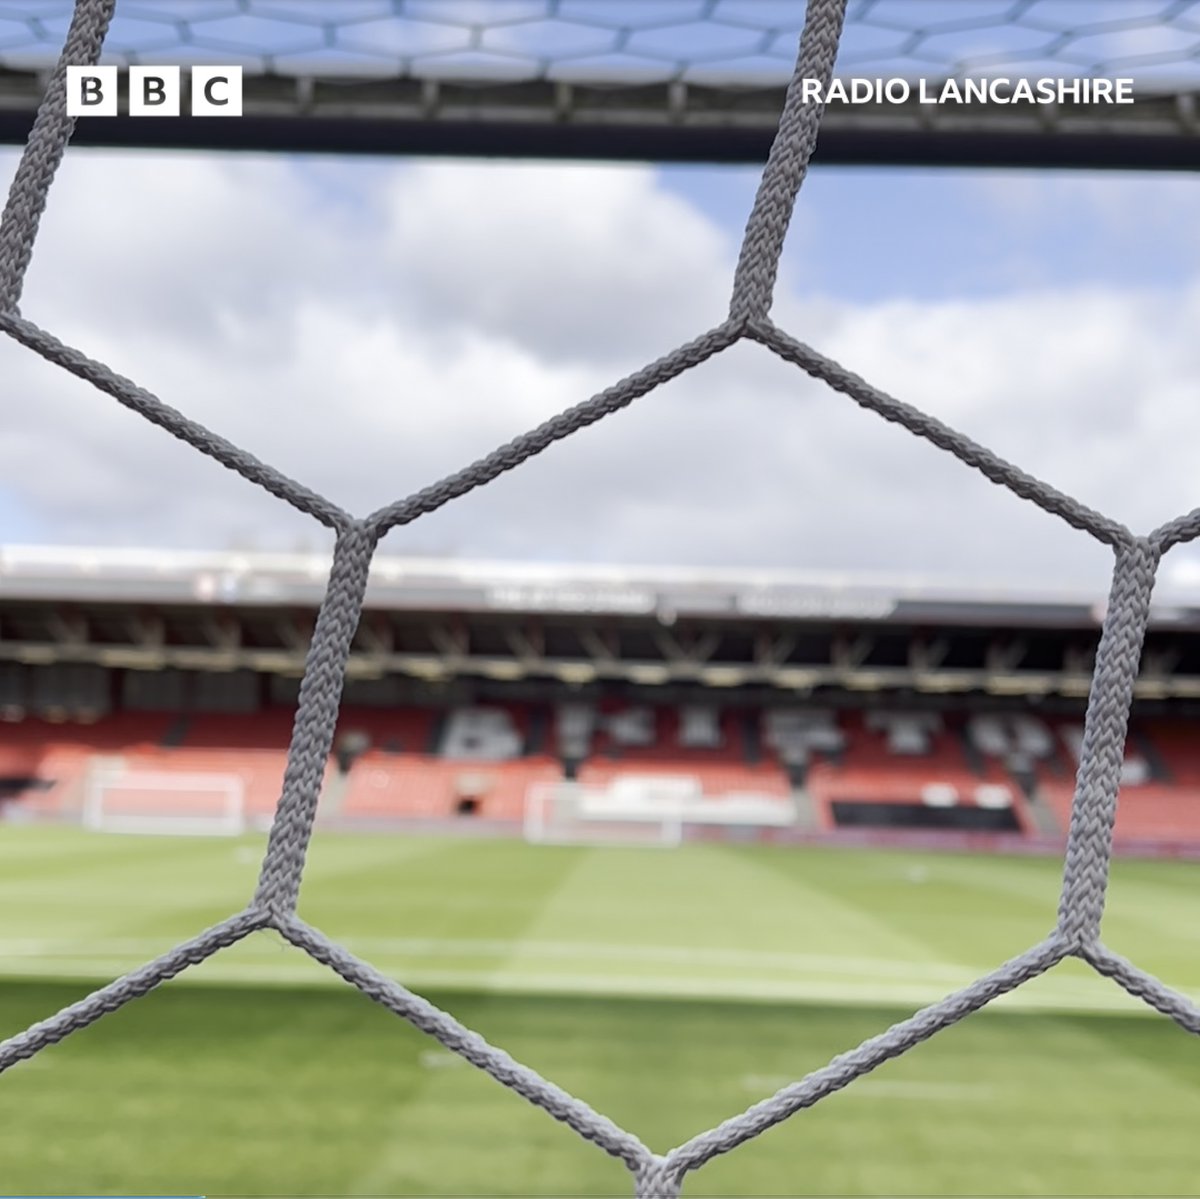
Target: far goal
(645,809)
(165,802)
(570,814)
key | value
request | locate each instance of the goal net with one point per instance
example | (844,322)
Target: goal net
(165,802)
(637,812)
(750,318)
(639,809)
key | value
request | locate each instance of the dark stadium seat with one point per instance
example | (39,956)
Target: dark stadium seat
(913,763)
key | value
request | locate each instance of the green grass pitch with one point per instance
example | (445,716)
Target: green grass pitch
(669,988)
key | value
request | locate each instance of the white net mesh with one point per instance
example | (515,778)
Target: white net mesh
(273,905)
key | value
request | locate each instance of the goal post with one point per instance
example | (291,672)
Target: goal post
(645,809)
(571,814)
(166,802)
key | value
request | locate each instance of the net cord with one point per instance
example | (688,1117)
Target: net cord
(273,905)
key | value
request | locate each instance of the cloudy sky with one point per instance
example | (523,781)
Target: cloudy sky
(369,326)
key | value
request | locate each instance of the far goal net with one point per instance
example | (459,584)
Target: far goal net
(165,802)
(643,810)
(571,814)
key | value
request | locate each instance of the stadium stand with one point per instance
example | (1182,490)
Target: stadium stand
(472,762)
(1160,782)
(899,769)
(849,769)
(697,749)
(480,686)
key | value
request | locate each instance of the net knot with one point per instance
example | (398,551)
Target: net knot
(658,1179)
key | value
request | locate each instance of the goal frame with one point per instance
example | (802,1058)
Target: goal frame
(231,822)
(595,811)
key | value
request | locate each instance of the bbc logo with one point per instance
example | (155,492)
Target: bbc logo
(154,91)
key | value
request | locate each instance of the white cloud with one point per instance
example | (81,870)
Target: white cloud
(369,328)
(582,263)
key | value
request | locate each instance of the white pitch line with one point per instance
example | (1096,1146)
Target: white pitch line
(895,1088)
(699,955)
(879,1088)
(840,992)
(947,973)
(440,1059)
(719,974)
